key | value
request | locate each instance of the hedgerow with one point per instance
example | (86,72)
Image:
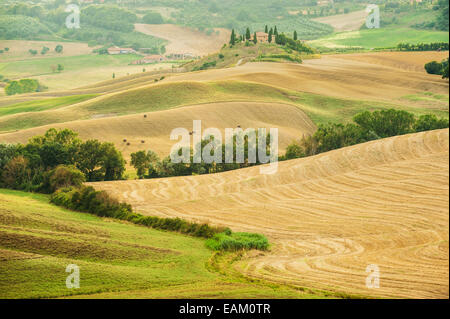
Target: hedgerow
(87,199)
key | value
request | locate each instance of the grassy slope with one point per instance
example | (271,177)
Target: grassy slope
(380,38)
(395,28)
(43,105)
(116,259)
(320,109)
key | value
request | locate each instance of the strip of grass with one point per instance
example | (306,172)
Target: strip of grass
(43,105)
(229,241)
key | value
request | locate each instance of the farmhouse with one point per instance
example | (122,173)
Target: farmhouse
(116,50)
(261,37)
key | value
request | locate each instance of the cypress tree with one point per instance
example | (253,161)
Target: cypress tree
(247,34)
(295,36)
(266,30)
(255,40)
(270,35)
(275,31)
(233,37)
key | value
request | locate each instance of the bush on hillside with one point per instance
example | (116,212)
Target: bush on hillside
(16,174)
(237,241)
(87,199)
(153,18)
(24,86)
(62,177)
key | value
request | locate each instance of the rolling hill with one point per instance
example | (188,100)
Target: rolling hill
(329,216)
(116,259)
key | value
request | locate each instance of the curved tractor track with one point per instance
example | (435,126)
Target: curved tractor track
(329,216)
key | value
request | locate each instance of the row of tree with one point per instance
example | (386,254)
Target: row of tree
(149,165)
(58,158)
(434,46)
(367,126)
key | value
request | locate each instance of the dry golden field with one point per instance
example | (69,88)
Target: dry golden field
(155,130)
(345,22)
(186,40)
(329,216)
(345,76)
(18,49)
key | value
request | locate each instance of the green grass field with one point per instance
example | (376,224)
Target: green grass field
(116,259)
(34,67)
(380,38)
(43,105)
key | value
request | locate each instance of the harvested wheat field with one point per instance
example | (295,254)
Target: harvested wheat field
(18,49)
(352,76)
(345,22)
(185,40)
(329,216)
(406,61)
(153,131)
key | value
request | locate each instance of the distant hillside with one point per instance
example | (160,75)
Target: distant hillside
(242,53)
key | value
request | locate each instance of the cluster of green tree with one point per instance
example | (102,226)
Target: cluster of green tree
(39,164)
(293,44)
(87,199)
(149,165)
(273,35)
(153,18)
(434,46)
(109,18)
(105,25)
(22,27)
(24,86)
(439,68)
(367,126)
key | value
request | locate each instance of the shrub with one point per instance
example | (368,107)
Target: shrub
(433,67)
(16,174)
(237,241)
(153,18)
(62,177)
